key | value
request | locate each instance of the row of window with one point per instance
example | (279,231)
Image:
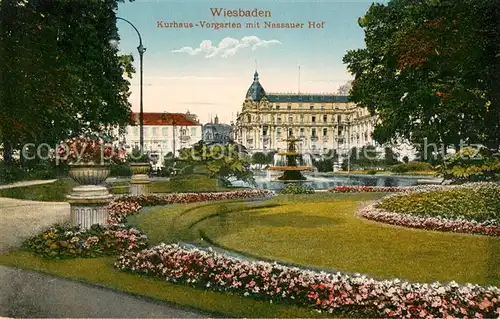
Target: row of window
(290,119)
(154,131)
(311,107)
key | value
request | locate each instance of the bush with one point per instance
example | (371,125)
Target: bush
(371,172)
(66,241)
(479,203)
(411,167)
(120,170)
(297,189)
(469,165)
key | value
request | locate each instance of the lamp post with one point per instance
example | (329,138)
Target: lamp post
(348,145)
(141,49)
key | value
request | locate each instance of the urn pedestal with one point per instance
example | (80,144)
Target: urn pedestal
(139,183)
(89,200)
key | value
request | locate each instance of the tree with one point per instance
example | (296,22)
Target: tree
(259,158)
(59,75)
(431,69)
(390,157)
(224,162)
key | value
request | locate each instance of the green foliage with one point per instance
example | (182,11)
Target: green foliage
(138,156)
(411,167)
(430,69)
(33,170)
(259,158)
(59,80)
(371,172)
(223,162)
(471,165)
(120,170)
(66,241)
(296,189)
(390,157)
(480,204)
(325,163)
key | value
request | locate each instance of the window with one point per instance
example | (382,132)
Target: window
(277,106)
(136,131)
(313,132)
(279,120)
(311,107)
(325,132)
(290,119)
(313,119)
(325,118)
(183,132)
(290,132)
(278,132)
(155,131)
(339,118)
(164,131)
(301,132)
(146,131)
(302,118)
(322,107)
(249,118)
(193,131)
(289,107)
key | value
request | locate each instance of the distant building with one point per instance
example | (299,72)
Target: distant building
(322,121)
(215,132)
(163,133)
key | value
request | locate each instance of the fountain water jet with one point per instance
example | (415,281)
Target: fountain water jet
(288,163)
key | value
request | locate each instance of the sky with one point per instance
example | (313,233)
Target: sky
(209,71)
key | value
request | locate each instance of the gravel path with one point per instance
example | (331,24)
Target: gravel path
(28,183)
(20,219)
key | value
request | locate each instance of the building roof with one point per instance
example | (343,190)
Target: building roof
(256,92)
(165,119)
(306,98)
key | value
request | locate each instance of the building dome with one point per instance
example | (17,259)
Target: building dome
(256,91)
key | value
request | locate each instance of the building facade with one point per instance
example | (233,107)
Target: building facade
(164,133)
(215,132)
(322,121)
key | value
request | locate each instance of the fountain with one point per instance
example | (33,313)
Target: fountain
(291,163)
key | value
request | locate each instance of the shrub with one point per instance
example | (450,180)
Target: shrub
(479,202)
(469,165)
(411,167)
(66,241)
(120,170)
(371,172)
(297,189)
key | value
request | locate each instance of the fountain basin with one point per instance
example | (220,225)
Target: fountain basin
(290,168)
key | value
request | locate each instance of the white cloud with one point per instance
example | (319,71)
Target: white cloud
(227,47)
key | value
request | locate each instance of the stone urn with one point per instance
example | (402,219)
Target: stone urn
(139,183)
(89,200)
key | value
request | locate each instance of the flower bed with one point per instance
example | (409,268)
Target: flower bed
(369,189)
(470,208)
(66,241)
(185,198)
(335,293)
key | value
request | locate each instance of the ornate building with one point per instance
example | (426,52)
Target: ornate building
(322,121)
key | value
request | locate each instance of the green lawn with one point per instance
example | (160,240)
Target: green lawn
(100,271)
(53,192)
(322,230)
(57,191)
